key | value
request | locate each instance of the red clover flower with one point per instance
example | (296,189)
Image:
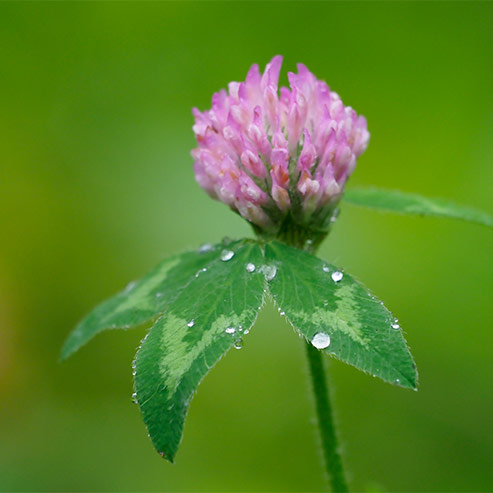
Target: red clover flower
(281,158)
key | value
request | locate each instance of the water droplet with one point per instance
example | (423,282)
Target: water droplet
(334,216)
(246,331)
(191,323)
(134,398)
(250,267)
(206,247)
(282,313)
(230,330)
(238,344)
(200,271)
(397,380)
(270,272)
(337,276)
(325,268)
(321,340)
(158,295)
(227,255)
(396,326)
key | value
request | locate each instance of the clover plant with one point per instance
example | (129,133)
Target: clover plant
(280,159)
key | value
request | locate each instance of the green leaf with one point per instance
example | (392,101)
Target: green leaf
(410,203)
(144,300)
(319,302)
(207,318)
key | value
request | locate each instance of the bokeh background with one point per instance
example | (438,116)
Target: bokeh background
(96,186)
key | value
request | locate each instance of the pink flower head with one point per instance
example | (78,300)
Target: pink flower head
(280,158)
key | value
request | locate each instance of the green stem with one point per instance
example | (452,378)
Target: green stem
(332,457)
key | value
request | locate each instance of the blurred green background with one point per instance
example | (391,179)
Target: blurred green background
(96,186)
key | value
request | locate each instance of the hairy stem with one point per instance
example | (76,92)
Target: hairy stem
(332,457)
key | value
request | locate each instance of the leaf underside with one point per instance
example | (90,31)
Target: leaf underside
(410,203)
(202,303)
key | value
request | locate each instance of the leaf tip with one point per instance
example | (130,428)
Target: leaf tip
(68,348)
(408,382)
(65,352)
(168,457)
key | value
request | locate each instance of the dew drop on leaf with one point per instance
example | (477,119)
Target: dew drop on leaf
(206,247)
(321,340)
(191,323)
(238,344)
(200,271)
(325,268)
(227,255)
(270,272)
(250,267)
(337,276)
(230,330)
